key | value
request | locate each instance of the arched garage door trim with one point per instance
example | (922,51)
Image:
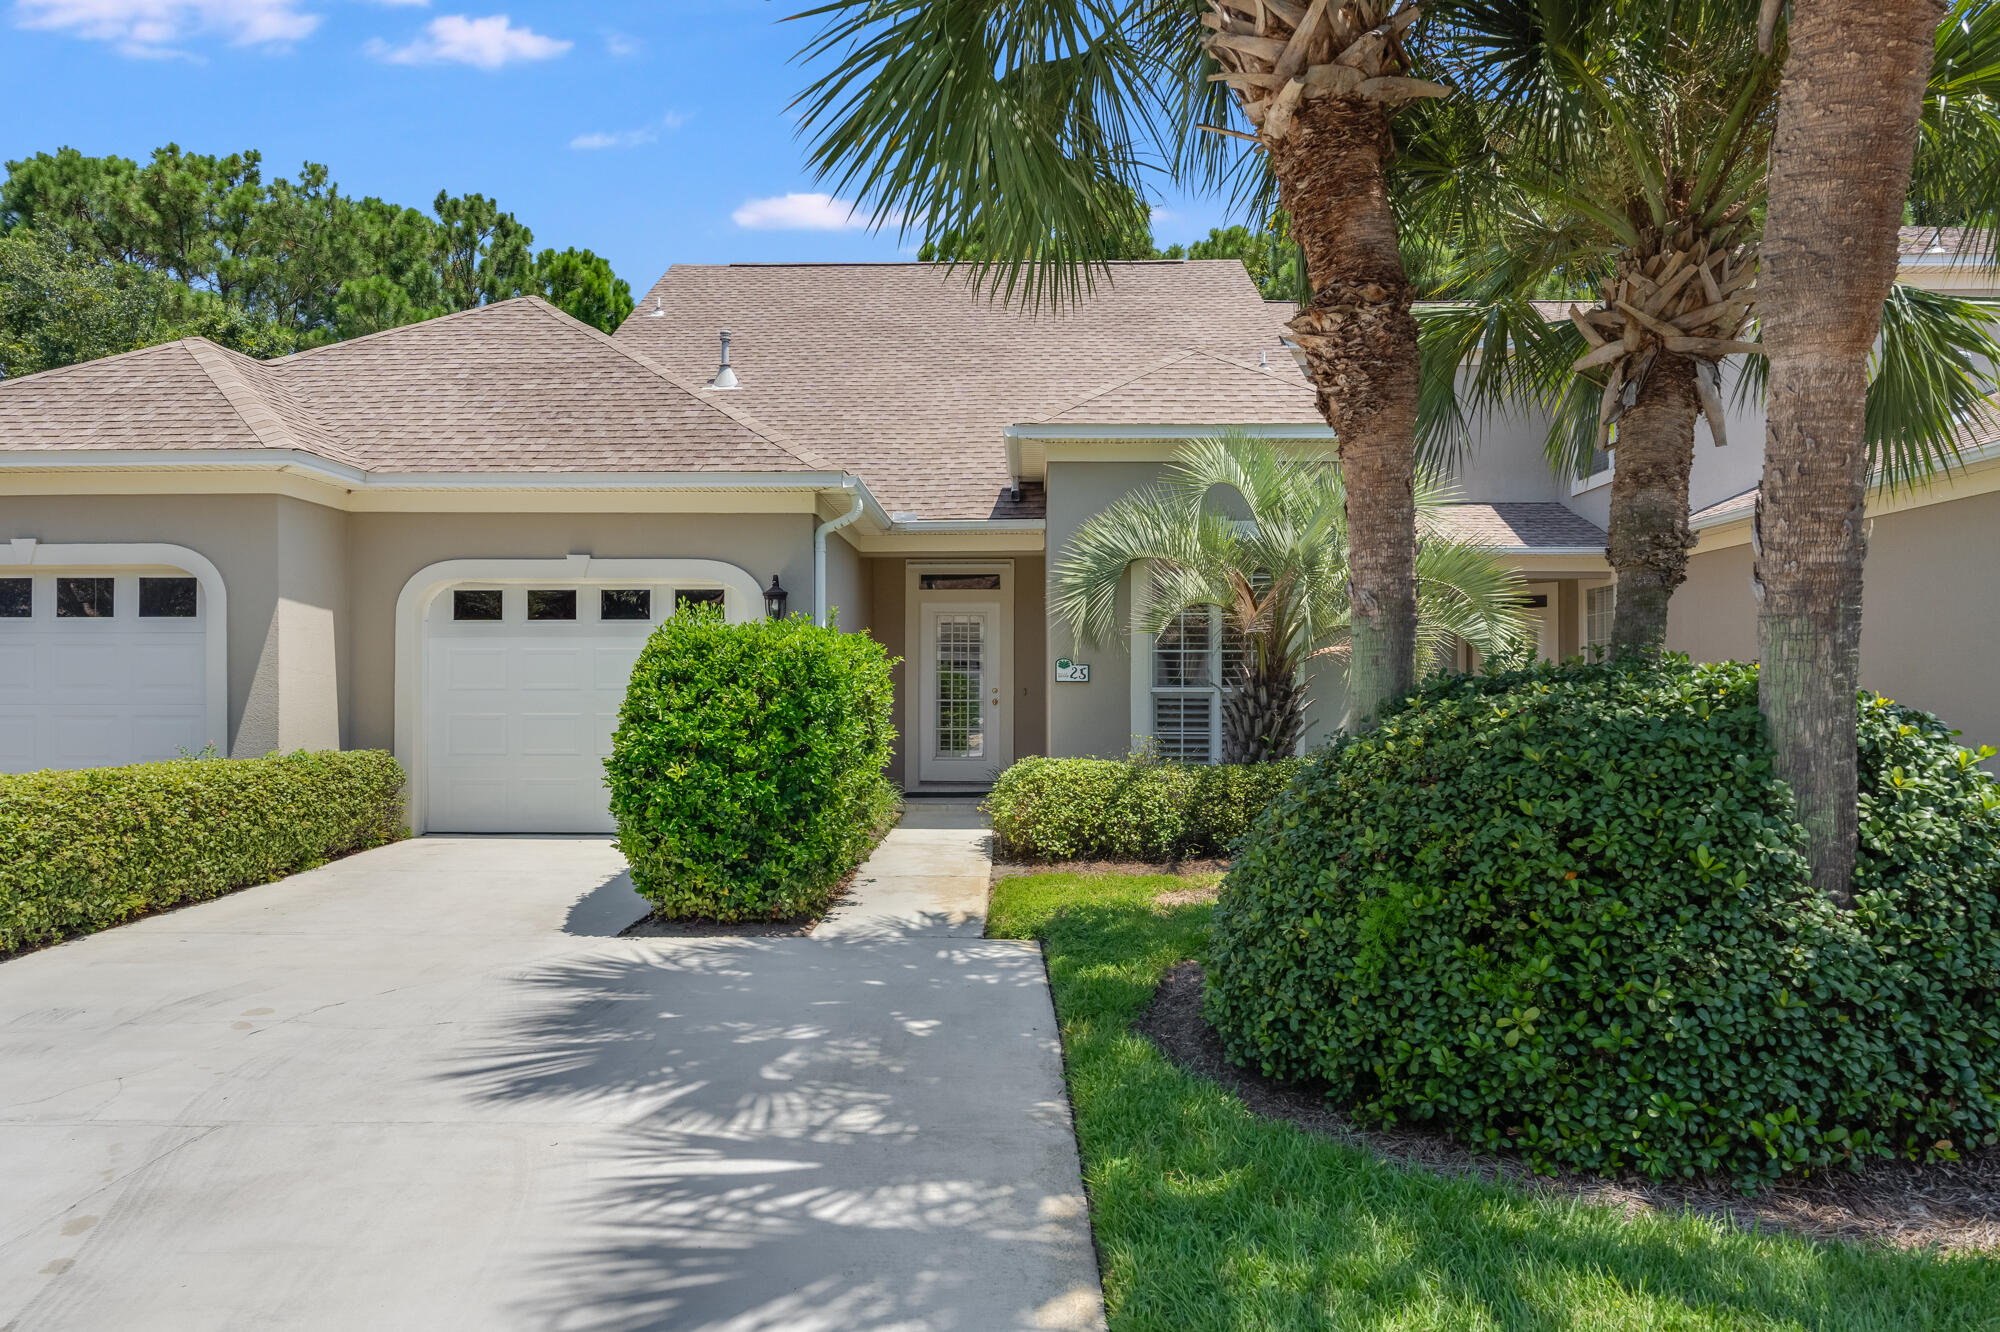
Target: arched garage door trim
(23,552)
(742,601)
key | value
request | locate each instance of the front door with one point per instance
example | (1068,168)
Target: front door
(966,717)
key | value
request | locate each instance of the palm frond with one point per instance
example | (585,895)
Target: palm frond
(1932,368)
(1025,120)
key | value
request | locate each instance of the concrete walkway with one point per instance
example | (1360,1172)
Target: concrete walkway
(429,1087)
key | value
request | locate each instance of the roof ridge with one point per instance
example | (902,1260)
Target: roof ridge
(736,414)
(1270,372)
(468,312)
(1112,386)
(74,366)
(266,424)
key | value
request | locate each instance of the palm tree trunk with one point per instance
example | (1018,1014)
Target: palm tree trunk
(1847,126)
(1360,343)
(1649,537)
(1263,712)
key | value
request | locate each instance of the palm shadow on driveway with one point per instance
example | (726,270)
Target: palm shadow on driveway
(801,1133)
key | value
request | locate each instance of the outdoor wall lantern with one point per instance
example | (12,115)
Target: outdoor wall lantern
(775,598)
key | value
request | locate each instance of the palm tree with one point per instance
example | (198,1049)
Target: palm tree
(1852,105)
(1277,570)
(1624,149)
(1027,121)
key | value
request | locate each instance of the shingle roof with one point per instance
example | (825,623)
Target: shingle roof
(516,386)
(1742,502)
(907,374)
(1523,525)
(1197,388)
(1941,245)
(189,394)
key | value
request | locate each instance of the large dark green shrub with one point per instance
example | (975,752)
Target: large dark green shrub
(81,850)
(1565,911)
(1135,809)
(746,774)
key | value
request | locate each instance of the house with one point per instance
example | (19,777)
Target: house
(450,539)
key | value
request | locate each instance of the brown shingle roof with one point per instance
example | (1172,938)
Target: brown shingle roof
(907,375)
(1199,388)
(1941,245)
(516,386)
(1523,525)
(189,394)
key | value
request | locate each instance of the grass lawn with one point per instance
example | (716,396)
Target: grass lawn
(1208,1216)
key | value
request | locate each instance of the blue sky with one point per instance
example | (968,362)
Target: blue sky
(652,133)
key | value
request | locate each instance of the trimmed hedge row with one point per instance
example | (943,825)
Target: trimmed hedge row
(85,849)
(1565,911)
(1134,809)
(746,774)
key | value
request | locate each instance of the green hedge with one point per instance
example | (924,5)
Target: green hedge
(85,849)
(1135,809)
(746,774)
(1565,911)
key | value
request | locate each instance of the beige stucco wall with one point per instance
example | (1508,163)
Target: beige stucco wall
(281,563)
(847,588)
(386,549)
(1930,611)
(887,602)
(1094,718)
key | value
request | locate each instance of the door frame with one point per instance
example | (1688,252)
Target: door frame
(742,601)
(916,667)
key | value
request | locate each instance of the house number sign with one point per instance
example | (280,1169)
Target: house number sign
(1072,672)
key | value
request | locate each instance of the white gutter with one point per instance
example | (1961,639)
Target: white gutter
(854,511)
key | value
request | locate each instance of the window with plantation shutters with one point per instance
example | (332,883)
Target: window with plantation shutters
(1188,661)
(1598,603)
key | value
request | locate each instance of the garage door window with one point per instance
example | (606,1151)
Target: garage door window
(475,604)
(17,598)
(83,598)
(626,603)
(712,598)
(166,598)
(552,603)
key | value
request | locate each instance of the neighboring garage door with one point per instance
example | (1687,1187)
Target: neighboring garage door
(522,686)
(100,668)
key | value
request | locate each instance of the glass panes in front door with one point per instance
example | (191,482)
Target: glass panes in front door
(961,672)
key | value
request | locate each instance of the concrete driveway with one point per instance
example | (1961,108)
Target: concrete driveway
(429,1087)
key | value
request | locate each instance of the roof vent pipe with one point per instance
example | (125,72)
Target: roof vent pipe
(725,378)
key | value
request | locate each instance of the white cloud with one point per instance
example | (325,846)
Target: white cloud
(632,138)
(801,212)
(152,27)
(618,139)
(487,43)
(621,44)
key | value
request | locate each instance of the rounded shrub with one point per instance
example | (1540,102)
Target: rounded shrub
(1565,911)
(1134,809)
(746,772)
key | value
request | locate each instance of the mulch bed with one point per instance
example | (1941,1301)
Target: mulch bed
(1951,1207)
(1007,869)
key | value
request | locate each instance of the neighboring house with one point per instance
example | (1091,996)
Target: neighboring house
(450,539)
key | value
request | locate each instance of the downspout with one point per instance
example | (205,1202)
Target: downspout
(848,484)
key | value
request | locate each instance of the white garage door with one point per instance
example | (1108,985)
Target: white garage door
(522,686)
(100,667)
